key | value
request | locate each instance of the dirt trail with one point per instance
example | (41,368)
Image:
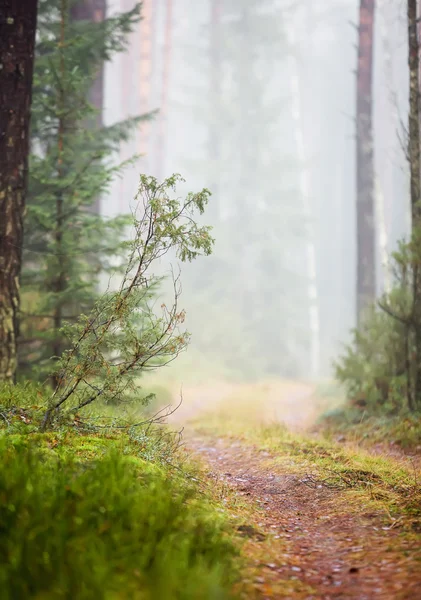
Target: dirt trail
(315,543)
(330,549)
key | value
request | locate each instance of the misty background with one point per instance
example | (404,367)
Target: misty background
(255,100)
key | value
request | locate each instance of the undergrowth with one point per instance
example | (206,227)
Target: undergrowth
(403,431)
(395,486)
(105,513)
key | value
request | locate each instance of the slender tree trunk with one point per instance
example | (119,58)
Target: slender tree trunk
(59,283)
(383,237)
(214,99)
(93,10)
(414,169)
(163,107)
(17,38)
(366,254)
(310,249)
(145,75)
(414,117)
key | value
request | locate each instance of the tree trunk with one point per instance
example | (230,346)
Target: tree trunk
(163,108)
(59,283)
(17,38)
(366,254)
(93,10)
(414,169)
(146,34)
(413,120)
(307,216)
(215,101)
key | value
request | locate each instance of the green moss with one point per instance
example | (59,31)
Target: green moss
(80,519)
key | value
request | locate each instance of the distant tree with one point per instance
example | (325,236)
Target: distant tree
(403,303)
(215,68)
(17,37)
(68,245)
(307,213)
(163,106)
(414,157)
(93,11)
(366,255)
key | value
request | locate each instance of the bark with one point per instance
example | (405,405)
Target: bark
(17,38)
(414,169)
(413,120)
(366,253)
(59,283)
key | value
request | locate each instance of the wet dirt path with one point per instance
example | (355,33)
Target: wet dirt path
(305,540)
(322,547)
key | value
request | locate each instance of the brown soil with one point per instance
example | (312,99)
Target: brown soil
(323,546)
(303,540)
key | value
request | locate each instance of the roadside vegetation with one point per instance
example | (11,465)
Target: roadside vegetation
(112,514)
(390,482)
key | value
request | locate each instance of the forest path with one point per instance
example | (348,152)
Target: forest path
(305,539)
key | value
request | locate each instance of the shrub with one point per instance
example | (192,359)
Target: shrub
(123,337)
(372,367)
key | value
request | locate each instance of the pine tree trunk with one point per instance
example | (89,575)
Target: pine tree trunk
(413,120)
(366,255)
(17,37)
(414,168)
(59,282)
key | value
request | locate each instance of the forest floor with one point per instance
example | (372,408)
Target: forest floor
(320,518)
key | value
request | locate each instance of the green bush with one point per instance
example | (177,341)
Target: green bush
(372,367)
(106,528)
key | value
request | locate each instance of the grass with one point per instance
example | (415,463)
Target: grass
(394,485)
(107,515)
(402,431)
(338,419)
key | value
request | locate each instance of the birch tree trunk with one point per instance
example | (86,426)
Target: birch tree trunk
(311,265)
(163,108)
(366,253)
(17,37)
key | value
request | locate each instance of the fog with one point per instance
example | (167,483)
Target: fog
(255,100)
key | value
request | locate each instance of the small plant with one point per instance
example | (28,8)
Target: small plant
(124,335)
(372,367)
(381,368)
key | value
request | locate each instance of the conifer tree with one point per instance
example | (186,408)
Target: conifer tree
(67,245)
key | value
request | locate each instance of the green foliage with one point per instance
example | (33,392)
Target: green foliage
(67,243)
(404,432)
(104,524)
(381,368)
(124,336)
(372,367)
